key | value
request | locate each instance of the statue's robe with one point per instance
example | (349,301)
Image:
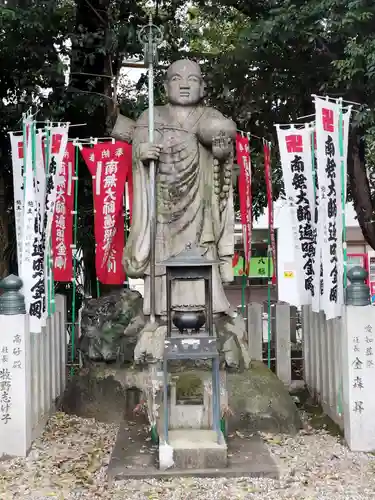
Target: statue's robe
(187,210)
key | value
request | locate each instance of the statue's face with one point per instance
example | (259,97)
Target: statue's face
(184,84)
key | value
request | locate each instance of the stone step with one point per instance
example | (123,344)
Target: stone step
(196,449)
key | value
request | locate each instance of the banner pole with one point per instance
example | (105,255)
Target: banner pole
(343,195)
(313,166)
(24,142)
(343,206)
(269,284)
(93,201)
(243,288)
(50,264)
(48,159)
(24,145)
(74,284)
(126,282)
(267,160)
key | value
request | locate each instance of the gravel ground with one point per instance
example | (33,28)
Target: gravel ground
(69,462)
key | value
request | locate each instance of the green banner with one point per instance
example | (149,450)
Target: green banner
(258,267)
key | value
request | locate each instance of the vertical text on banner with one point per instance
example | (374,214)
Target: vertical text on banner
(246,209)
(32,265)
(296,162)
(57,145)
(327,116)
(109,164)
(62,225)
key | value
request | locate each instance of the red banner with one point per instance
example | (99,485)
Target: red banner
(268,176)
(62,223)
(109,164)
(243,160)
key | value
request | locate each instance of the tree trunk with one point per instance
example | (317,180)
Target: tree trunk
(90,69)
(360,189)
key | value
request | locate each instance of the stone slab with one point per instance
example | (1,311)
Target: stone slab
(197,449)
(134,457)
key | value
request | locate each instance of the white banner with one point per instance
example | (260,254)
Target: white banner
(16,144)
(32,266)
(57,147)
(327,118)
(57,143)
(39,240)
(36,207)
(296,162)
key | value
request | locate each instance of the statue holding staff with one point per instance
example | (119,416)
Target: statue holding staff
(193,148)
(193,151)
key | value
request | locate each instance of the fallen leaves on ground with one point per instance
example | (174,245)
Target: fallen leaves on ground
(70,460)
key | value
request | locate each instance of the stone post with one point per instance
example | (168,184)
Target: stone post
(357,292)
(15,387)
(358,364)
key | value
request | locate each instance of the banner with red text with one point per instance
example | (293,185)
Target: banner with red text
(331,182)
(62,224)
(55,149)
(244,187)
(268,178)
(296,162)
(109,164)
(54,144)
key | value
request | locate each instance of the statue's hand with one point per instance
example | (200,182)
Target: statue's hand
(149,151)
(222,146)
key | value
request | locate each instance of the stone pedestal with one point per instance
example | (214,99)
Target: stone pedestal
(196,449)
(15,386)
(358,372)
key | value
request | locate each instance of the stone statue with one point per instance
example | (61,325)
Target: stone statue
(194,153)
(193,150)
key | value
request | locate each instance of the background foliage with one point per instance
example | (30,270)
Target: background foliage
(263,59)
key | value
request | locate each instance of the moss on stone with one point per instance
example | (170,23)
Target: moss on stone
(317,418)
(261,401)
(188,385)
(257,397)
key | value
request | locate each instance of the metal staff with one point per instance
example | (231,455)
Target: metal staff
(151,36)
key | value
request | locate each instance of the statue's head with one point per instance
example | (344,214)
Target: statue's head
(184,83)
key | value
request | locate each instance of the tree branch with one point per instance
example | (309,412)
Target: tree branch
(90,74)
(96,12)
(79,91)
(251,9)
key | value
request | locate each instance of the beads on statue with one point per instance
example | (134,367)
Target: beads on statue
(216,177)
(222,181)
